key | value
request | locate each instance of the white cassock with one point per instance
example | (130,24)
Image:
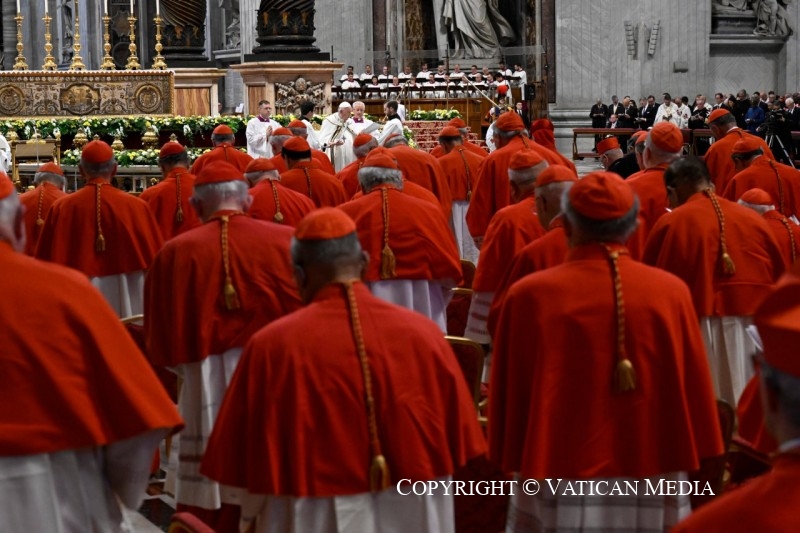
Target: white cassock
(83,489)
(428,297)
(334,128)
(358,127)
(729,349)
(392,126)
(387,511)
(313,136)
(256,132)
(123,292)
(204,386)
(458,222)
(5,154)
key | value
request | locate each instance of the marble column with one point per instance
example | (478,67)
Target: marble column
(9,11)
(184,32)
(248,10)
(285,27)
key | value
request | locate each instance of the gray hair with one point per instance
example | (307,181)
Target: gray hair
(255,177)
(364,149)
(395,141)
(97,170)
(8,210)
(554,190)
(326,252)
(616,230)
(218,138)
(276,141)
(371,177)
(216,193)
(760,209)
(787,388)
(524,176)
(55,179)
(789,100)
(510,134)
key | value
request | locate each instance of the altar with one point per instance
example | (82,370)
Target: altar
(62,94)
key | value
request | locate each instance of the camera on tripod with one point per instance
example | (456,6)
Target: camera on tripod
(771,124)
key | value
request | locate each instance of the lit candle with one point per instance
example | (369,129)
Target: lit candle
(131,7)
(18,9)
(105,7)
(158,8)
(45,6)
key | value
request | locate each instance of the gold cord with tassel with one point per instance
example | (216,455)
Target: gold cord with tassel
(278,218)
(781,206)
(100,242)
(379,477)
(228,291)
(388,260)
(788,225)
(39,219)
(625,375)
(728,267)
(469,174)
(308,181)
(179,212)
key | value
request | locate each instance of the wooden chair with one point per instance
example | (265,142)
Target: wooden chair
(712,469)
(468,269)
(35,150)
(471,357)
(186,522)
(458,311)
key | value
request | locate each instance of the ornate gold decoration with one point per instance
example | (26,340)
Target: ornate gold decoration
(77,60)
(173,138)
(80,140)
(133,60)
(150,138)
(110,93)
(290,94)
(49,60)
(158,60)
(20,63)
(108,61)
(117,144)
(11,136)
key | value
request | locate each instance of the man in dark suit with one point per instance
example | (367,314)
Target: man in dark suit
(598,114)
(742,105)
(627,119)
(615,108)
(521,109)
(647,114)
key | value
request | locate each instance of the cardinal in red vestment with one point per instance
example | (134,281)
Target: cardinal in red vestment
(49,180)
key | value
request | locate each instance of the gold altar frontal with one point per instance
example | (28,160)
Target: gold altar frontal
(62,94)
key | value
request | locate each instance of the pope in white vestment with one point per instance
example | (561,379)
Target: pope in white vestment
(336,136)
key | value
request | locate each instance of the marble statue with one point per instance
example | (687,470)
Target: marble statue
(477,27)
(66,31)
(741,5)
(772,18)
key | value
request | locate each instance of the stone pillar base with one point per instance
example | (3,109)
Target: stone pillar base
(286,84)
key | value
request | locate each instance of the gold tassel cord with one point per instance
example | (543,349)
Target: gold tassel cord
(228,291)
(788,226)
(379,477)
(39,207)
(781,206)
(278,218)
(179,212)
(625,375)
(100,242)
(388,260)
(308,181)
(728,267)
(469,174)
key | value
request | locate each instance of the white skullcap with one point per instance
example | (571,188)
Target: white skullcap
(345,105)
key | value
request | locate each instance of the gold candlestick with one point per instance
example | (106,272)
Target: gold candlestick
(20,63)
(77,60)
(133,61)
(108,61)
(49,60)
(158,60)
